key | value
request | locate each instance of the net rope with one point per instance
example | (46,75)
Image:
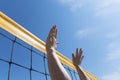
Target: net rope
(20,61)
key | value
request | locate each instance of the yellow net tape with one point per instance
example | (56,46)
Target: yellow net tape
(17,30)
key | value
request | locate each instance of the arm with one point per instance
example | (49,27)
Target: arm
(57,71)
(76,62)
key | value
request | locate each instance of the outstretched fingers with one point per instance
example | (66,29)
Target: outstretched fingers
(53,31)
(77,53)
(80,53)
(51,39)
(82,58)
(73,56)
(78,57)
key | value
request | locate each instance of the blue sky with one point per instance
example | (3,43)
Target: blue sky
(89,24)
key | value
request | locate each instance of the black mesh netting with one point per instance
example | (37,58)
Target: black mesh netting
(20,61)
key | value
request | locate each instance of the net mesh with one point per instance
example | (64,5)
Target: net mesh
(20,61)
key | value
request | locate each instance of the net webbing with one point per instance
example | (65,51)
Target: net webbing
(30,41)
(13,62)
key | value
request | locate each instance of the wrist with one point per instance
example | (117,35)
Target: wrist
(50,50)
(77,67)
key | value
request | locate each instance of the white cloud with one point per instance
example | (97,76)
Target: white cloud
(100,7)
(84,33)
(107,3)
(114,67)
(113,48)
(107,7)
(114,55)
(72,4)
(113,35)
(112,76)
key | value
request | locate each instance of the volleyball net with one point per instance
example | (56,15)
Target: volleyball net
(23,55)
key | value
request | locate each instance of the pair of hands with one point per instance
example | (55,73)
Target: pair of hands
(51,44)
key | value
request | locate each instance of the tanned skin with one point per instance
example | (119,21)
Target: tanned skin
(57,71)
(77,59)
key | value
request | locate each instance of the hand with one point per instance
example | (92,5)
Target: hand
(51,42)
(78,58)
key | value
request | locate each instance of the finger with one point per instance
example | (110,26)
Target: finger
(50,40)
(73,56)
(81,59)
(56,32)
(54,28)
(80,52)
(51,30)
(76,52)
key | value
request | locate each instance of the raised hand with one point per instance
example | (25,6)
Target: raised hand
(77,59)
(51,42)
(57,71)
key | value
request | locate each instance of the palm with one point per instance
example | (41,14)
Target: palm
(51,39)
(77,59)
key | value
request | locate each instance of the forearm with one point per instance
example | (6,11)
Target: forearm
(57,71)
(81,73)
